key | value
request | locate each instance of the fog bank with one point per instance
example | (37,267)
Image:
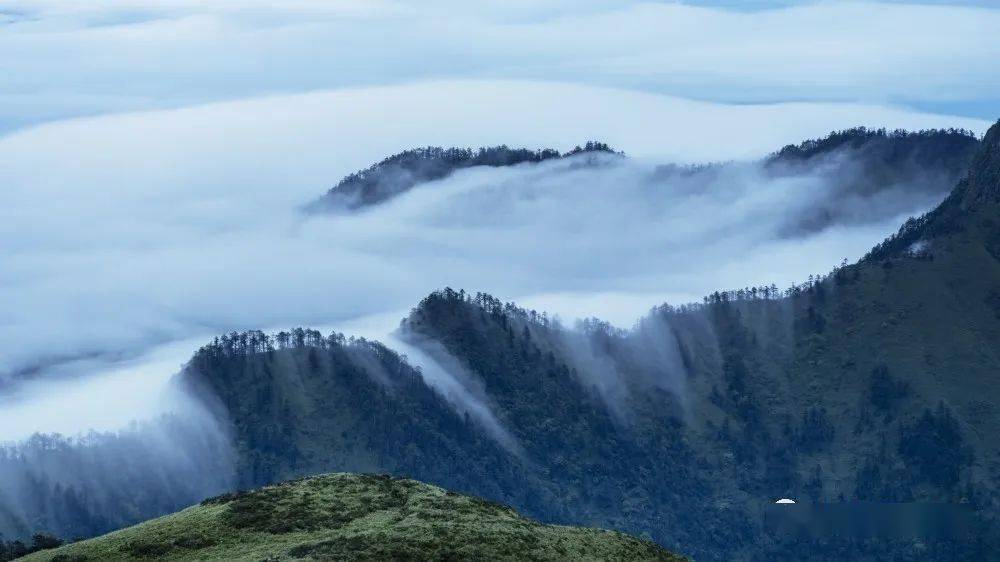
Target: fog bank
(127,232)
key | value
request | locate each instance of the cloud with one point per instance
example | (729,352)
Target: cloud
(63,58)
(446,374)
(74,395)
(125,232)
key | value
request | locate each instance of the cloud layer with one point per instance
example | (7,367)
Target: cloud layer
(63,58)
(129,231)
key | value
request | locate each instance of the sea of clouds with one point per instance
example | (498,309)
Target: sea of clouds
(155,155)
(126,234)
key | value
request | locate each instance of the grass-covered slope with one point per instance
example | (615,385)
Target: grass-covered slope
(354,517)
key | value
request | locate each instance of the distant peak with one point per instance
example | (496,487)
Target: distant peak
(896,143)
(593,146)
(403,171)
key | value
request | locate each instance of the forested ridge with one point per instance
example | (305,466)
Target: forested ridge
(857,162)
(955,146)
(400,172)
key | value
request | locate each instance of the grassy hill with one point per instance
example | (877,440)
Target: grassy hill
(354,517)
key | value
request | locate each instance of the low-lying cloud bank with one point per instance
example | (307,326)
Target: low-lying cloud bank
(125,232)
(129,240)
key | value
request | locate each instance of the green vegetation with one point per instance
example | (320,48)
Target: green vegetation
(353,517)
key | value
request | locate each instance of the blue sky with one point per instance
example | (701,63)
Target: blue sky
(62,58)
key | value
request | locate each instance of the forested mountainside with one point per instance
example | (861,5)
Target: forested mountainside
(869,167)
(400,172)
(85,486)
(951,148)
(969,210)
(875,382)
(354,517)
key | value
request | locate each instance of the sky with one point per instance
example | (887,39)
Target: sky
(61,58)
(156,156)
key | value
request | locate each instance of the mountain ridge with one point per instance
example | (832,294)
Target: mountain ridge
(872,159)
(401,172)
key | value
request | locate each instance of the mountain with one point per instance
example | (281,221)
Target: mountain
(877,382)
(885,152)
(865,167)
(969,211)
(401,172)
(870,169)
(354,517)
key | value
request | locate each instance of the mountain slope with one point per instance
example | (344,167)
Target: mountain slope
(969,212)
(354,517)
(877,382)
